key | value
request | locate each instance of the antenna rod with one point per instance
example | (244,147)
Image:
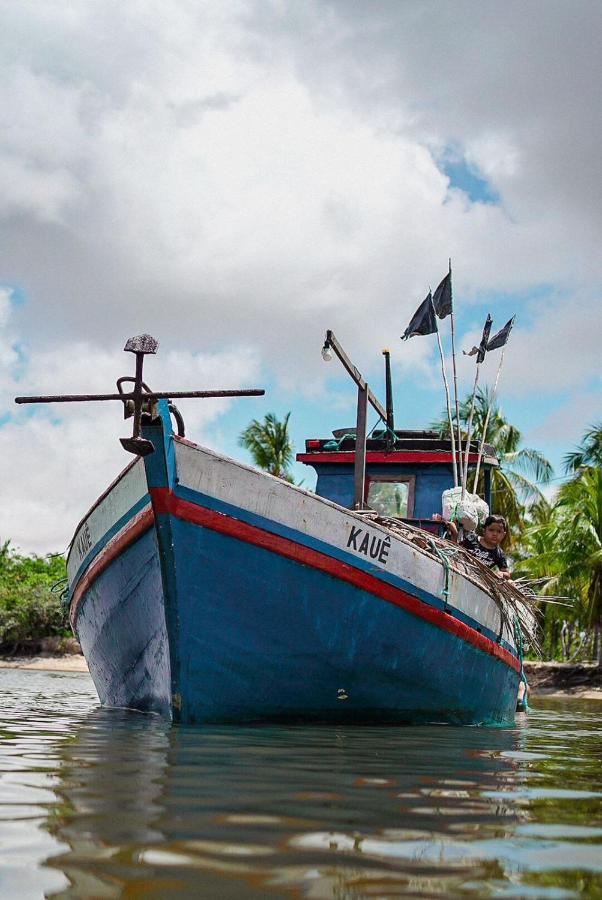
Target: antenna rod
(389,390)
(457,402)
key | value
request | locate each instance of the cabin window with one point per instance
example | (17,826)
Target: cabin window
(393,498)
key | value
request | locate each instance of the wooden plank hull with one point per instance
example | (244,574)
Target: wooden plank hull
(215,593)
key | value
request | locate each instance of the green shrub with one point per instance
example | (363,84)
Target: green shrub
(30,610)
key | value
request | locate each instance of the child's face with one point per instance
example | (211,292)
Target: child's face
(494,533)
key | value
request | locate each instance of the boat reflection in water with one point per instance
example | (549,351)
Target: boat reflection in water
(325,811)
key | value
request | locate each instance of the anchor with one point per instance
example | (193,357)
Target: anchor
(141,345)
(140,400)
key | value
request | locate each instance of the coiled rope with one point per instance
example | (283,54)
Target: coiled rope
(444,557)
(335,445)
(520,646)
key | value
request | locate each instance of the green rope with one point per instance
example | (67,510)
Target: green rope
(520,646)
(335,445)
(62,589)
(388,431)
(444,557)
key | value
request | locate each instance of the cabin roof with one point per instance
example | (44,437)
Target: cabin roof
(410,447)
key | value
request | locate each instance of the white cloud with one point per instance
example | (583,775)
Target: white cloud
(559,352)
(565,426)
(190,173)
(62,456)
(244,175)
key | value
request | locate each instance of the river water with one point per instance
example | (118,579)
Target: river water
(101,803)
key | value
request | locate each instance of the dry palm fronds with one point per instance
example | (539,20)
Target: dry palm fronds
(516,600)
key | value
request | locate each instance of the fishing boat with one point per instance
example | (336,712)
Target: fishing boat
(207,591)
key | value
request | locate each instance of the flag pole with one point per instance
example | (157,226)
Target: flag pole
(486,423)
(453,347)
(448,404)
(469,430)
(498,340)
(481,350)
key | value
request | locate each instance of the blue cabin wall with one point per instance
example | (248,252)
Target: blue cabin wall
(335,482)
(430,484)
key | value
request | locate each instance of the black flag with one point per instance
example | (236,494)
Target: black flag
(442,298)
(499,339)
(483,347)
(423,320)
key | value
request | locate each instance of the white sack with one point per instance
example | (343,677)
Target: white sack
(469,512)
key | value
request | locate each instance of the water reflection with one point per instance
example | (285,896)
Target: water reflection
(313,811)
(135,808)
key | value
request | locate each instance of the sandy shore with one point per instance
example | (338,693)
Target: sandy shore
(74,662)
(578,693)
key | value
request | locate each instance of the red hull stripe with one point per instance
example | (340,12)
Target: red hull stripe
(376,456)
(165,502)
(130,532)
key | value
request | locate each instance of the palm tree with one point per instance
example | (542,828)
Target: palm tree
(579,541)
(564,546)
(589,451)
(270,445)
(514,485)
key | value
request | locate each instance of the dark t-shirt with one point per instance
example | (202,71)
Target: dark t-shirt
(490,558)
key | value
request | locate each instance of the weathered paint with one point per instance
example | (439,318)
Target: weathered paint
(120,624)
(241,597)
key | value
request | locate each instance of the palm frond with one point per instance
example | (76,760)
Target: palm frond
(269,444)
(526,491)
(589,451)
(531,463)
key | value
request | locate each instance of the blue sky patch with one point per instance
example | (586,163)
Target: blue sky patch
(19,367)
(467,178)
(16,294)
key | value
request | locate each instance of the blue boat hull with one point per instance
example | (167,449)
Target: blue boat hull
(284,642)
(210,617)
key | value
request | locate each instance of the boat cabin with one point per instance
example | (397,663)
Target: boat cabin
(404,478)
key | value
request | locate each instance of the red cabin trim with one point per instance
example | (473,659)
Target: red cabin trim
(378,456)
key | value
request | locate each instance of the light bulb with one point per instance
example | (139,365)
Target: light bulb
(326,353)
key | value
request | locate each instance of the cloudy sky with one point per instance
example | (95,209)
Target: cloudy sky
(235,177)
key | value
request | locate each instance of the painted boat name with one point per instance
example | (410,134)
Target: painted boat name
(84,542)
(372,546)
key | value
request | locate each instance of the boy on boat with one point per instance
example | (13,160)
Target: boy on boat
(486,548)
